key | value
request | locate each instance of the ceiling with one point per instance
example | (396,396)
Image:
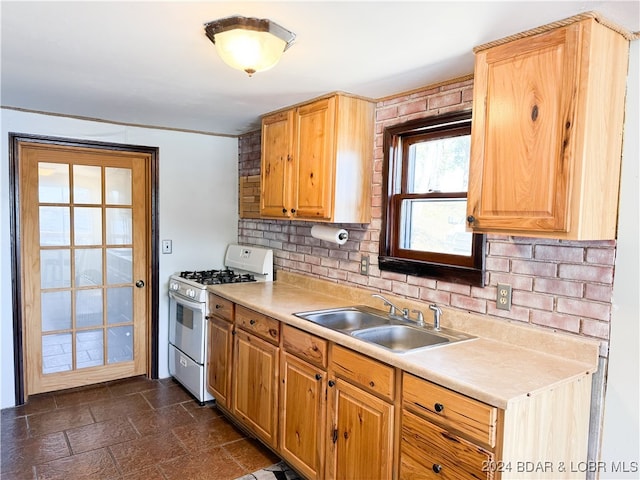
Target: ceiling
(150,63)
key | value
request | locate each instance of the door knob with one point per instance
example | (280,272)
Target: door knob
(140,283)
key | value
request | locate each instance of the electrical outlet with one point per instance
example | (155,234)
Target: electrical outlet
(503,298)
(364,265)
(166,246)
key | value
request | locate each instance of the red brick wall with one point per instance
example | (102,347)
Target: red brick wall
(556,284)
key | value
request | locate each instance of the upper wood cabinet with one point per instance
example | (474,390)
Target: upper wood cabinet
(316,161)
(547,133)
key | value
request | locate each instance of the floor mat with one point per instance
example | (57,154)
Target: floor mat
(279,471)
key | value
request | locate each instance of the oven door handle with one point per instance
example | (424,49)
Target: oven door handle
(186,302)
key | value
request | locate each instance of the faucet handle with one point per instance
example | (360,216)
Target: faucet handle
(420,317)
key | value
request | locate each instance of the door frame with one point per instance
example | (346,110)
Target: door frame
(16,285)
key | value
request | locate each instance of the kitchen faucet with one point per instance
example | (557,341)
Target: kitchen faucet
(436,315)
(392,307)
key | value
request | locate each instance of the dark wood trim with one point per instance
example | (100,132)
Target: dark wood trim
(14,201)
(392,194)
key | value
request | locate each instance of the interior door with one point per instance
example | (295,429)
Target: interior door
(84,264)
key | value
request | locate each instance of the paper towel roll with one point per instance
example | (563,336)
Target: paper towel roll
(330,234)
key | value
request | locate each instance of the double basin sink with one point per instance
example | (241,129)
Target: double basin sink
(375,326)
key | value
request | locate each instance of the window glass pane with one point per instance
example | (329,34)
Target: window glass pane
(56,353)
(120,344)
(89,348)
(55,268)
(87,226)
(56,310)
(435,225)
(120,305)
(88,308)
(118,185)
(53,182)
(88,267)
(119,265)
(119,226)
(87,184)
(54,226)
(440,165)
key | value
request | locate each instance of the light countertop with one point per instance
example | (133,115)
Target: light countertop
(506,362)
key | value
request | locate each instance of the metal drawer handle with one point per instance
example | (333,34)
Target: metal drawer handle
(438,407)
(252,322)
(436,468)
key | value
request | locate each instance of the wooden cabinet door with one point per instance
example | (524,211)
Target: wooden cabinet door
(302,418)
(219,360)
(523,133)
(255,385)
(277,165)
(360,434)
(315,159)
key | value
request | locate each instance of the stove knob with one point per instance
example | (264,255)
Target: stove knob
(174,286)
(191,292)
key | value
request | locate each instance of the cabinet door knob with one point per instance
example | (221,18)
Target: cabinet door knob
(331,383)
(284,210)
(318,376)
(471,219)
(218,306)
(437,468)
(293,210)
(252,322)
(438,407)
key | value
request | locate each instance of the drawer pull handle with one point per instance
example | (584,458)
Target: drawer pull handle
(437,468)
(252,322)
(331,383)
(218,306)
(438,407)
(318,376)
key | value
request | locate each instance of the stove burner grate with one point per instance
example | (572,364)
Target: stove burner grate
(216,277)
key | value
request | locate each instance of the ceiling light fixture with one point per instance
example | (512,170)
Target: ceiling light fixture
(249,44)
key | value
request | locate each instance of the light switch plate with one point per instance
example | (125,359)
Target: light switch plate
(167,246)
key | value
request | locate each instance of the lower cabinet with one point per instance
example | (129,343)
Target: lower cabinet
(445,434)
(333,413)
(219,360)
(302,416)
(220,345)
(255,385)
(361,434)
(360,417)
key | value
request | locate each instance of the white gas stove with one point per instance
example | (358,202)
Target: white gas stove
(189,306)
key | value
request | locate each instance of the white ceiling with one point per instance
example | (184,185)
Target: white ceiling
(150,63)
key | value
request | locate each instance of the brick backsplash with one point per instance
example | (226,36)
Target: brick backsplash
(557,284)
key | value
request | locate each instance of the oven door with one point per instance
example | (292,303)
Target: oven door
(187,326)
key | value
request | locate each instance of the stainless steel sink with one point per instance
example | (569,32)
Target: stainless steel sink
(350,318)
(377,327)
(400,338)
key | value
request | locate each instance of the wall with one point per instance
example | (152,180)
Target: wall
(192,168)
(621,430)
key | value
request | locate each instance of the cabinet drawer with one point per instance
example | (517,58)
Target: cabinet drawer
(452,410)
(258,324)
(428,451)
(305,345)
(221,307)
(366,372)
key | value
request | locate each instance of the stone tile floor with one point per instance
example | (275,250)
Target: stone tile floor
(134,429)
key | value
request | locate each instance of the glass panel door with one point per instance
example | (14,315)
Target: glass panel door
(91,253)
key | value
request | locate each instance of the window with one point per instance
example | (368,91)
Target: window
(426,176)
